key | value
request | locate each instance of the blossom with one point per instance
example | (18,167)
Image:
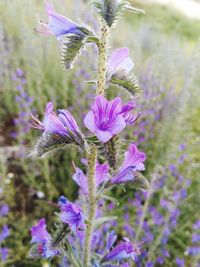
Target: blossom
(58,25)
(119,61)
(4,209)
(133,162)
(58,130)
(101,176)
(42,239)
(123,250)
(108,118)
(4,233)
(71,214)
(3,254)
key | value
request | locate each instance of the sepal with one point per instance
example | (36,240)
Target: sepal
(49,142)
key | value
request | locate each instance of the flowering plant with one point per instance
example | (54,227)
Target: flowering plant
(78,239)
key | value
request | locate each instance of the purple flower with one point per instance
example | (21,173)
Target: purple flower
(71,214)
(101,176)
(59,130)
(108,118)
(119,61)
(3,254)
(180,262)
(4,209)
(133,162)
(4,233)
(58,25)
(133,157)
(42,239)
(123,250)
(61,124)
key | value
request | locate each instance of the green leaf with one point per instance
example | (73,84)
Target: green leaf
(128,82)
(112,199)
(73,43)
(102,220)
(139,182)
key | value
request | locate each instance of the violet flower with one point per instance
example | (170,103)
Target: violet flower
(58,25)
(101,176)
(4,233)
(108,118)
(124,250)
(119,61)
(58,130)
(133,162)
(71,214)
(42,239)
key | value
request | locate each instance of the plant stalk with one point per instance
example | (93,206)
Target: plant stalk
(92,158)
(101,83)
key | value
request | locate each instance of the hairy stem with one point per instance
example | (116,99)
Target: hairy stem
(102,59)
(91,157)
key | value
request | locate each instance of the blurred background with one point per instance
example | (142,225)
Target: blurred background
(165,47)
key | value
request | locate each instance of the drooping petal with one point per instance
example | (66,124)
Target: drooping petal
(81,180)
(102,171)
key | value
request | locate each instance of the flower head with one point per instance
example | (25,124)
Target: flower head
(4,233)
(42,239)
(58,130)
(119,61)
(129,171)
(108,118)
(123,250)
(71,214)
(119,71)
(58,24)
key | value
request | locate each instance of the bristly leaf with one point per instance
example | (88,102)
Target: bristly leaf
(49,142)
(139,182)
(111,10)
(102,220)
(128,82)
(72,44)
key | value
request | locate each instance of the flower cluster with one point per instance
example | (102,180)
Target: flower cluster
(4,230)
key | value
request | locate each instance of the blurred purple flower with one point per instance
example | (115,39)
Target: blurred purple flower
(108,118)
(123,250)
(42,239)
(4,233)
(180,262)
(3,254)
(4,209)
(71,214)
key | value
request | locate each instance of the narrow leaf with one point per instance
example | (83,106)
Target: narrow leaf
(102,220)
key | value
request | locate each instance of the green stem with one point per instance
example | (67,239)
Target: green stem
(92,158)
(102,59)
